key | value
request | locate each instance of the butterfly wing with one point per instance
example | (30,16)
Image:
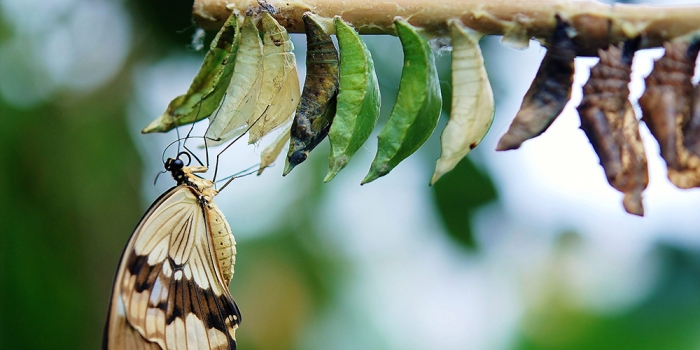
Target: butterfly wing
(169,292)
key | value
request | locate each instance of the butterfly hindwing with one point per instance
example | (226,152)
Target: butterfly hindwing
(169,292)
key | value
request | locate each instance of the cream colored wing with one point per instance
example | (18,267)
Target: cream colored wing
(169,292)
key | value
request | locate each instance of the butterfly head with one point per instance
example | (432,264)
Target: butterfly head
(174,164)
(176,167)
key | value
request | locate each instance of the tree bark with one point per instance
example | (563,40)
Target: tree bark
(597,24)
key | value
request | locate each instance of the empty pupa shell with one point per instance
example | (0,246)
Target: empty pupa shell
(318,99)
(238,105)
(208,86)
(473,105)
(549,92)
(358,99)
(280,81)
(691,131)
(417,108)
(666,104)
(608,119)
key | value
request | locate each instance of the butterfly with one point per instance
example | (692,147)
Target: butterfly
(171,288)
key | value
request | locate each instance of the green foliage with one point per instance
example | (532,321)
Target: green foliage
(458,194)
(668,319)
(75,179)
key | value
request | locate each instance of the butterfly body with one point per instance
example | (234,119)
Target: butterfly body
(171,289)
(223,241)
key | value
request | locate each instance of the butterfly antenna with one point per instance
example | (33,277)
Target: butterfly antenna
(189,132)
(162,156)
(216,168)
(188,136)
(174,142)
(189,157)
(177,132)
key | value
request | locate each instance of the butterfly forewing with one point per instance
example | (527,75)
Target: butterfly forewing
(171,289)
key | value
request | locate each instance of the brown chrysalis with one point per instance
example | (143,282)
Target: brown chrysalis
(666,106)
(608,119)
(318,99)
(549,92)
(691,131)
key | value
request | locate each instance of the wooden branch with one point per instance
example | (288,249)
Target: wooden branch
(596,23)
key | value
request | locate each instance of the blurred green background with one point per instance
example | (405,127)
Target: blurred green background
(520,250)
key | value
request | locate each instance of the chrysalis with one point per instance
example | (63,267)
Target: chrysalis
(238,105)
(279,93)
(549,92)
(666,110)
(318,99)
(171,288)
(417,108)
(208,87)
(358,99)
(691,131)
(473,105)
(608,119)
